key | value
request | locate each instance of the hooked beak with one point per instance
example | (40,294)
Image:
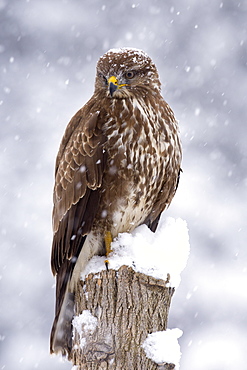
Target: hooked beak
(114,85)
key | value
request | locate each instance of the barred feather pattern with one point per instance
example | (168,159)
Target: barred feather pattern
(117,167)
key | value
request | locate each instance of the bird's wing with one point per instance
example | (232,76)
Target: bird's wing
(78,177)
(172,170)
(163,200)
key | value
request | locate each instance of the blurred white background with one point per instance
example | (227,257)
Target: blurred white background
(48,53)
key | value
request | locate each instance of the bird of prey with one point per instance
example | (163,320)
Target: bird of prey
(117,167)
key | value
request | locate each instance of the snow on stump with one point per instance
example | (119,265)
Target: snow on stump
(118,310)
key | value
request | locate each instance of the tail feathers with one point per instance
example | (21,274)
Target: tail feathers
(61,333)
(66,284)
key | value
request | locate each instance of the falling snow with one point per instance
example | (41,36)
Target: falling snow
(48,55)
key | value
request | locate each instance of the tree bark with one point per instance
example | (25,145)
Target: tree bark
(128,306)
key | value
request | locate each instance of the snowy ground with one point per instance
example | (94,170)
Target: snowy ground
(48,52)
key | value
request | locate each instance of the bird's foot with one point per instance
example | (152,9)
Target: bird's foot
(108,250)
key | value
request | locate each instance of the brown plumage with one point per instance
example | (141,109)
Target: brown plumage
(117,167)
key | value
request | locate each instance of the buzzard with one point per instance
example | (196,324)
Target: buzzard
(117,167)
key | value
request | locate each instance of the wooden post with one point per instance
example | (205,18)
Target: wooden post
(128,306)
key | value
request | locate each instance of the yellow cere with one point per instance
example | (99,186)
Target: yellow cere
(114,80)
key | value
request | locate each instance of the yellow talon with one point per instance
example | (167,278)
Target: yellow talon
(108,241)
(107,265)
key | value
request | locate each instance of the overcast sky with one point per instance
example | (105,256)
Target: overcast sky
(48,53)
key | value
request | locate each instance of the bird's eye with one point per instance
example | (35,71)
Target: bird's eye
(130,74)
(102,77)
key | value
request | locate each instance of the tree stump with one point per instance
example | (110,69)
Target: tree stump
(128,306)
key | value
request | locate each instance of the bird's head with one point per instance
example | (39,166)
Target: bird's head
(125,72)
